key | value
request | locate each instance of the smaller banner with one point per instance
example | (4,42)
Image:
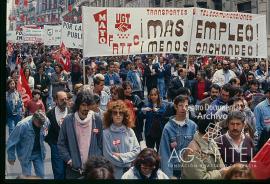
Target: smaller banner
(52,35)
(32,35)
(71,35)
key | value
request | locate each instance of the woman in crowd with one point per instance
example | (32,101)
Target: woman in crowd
(14,105)
(153,113)
(29,78)
(146,166)
(138,104)
(120,145)
(117,93)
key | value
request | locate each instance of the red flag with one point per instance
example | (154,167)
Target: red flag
(260,164)
(25,3)
(65,62)
(22,17)
(17,2)
(23,88)
(70,8)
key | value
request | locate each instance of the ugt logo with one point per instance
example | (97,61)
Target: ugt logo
(122,22)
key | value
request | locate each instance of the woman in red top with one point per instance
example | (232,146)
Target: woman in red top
(35,103)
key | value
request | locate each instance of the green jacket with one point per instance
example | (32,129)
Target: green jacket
(202,160)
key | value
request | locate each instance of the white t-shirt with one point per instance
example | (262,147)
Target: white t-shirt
(181,123)
(59,115)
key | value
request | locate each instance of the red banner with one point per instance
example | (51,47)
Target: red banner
(23,88)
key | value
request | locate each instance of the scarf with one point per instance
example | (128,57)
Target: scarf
(120,129)
(86,120)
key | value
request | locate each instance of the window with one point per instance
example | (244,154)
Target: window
(202,4)
(156,3)
(218,5)
(244,7)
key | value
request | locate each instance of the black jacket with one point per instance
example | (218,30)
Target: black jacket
(174,87)
(54,128)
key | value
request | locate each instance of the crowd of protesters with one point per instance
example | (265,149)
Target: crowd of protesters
(200,117)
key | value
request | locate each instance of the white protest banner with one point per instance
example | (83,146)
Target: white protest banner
(125,31)
(52,35)
(228,34)
(32,35)
(71,35)
(14,36)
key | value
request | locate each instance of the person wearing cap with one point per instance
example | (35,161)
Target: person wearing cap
(262,113)
(224,75)
(28,139)
(80,135)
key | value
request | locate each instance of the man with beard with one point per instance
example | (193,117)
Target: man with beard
(56,116)
(244,76)
(205,103)
(235,146)
(80,135)
(224,75)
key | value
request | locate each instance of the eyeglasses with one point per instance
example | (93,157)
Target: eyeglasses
(115,113)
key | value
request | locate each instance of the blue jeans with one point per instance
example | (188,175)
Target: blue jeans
(161,87)
(12,122)
(58,165)
(38,165)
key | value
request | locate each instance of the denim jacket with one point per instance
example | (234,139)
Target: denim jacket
(114,77)
(262,115)
(136,84)
(14,104)
(174,133)
(150,115)
(22,138)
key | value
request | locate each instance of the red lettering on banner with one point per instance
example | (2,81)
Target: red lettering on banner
(101,18)
(122,22)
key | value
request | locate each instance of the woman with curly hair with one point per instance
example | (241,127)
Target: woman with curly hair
(120,145)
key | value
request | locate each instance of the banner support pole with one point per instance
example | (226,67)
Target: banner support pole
(190,42)
(84,81)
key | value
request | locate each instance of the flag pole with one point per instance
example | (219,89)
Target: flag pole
(190,43)
(84,81)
